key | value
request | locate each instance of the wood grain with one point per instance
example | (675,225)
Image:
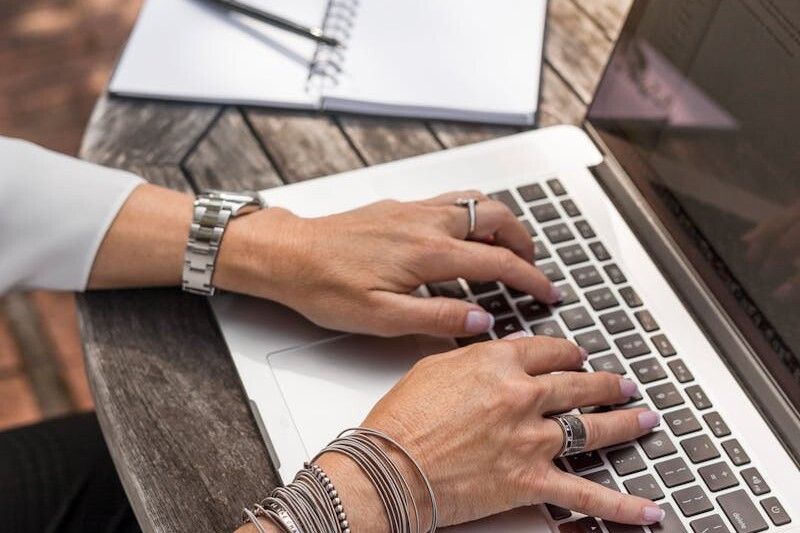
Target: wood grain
(380,140)
(608,14)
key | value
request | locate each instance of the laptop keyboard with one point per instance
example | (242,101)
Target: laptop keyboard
(692,465)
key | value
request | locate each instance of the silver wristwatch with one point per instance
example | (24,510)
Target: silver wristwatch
(212,211)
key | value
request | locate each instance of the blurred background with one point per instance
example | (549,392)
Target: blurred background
(55,58)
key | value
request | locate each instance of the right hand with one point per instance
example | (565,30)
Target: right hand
(475,420)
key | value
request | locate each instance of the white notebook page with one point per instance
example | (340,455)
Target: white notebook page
(418,57)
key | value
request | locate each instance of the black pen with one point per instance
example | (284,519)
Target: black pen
(279,22)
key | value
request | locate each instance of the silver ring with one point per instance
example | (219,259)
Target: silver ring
(470,204)
(574,434)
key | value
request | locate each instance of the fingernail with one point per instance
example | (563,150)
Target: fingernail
(516,335)
(648,420)
(479,322)
(555,294)
(584,353)
(653,513)
(627,387)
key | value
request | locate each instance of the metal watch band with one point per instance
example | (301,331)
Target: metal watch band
(212,211)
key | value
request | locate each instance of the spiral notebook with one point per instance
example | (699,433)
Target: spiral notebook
(474,60)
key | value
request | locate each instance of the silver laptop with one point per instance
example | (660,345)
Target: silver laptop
(640,218)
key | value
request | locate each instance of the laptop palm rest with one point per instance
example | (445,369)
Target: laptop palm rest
(332,384)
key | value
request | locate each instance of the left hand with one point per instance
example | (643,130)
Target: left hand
(354,271)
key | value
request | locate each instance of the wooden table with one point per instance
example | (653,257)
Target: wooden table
(167,394)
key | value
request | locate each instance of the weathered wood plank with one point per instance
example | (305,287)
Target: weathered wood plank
(122,130)
(575,47)
(608,14)
(303,145)
(559,103)
(230,158)
(452,134)
(172,409)
(380,140)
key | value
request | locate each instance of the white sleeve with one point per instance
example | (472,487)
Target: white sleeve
(54,212)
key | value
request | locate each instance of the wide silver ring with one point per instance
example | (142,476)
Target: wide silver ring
(470,204)
(574,434)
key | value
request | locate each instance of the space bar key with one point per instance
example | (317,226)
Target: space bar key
(741,512)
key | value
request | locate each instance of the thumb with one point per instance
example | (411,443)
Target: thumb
(433,316)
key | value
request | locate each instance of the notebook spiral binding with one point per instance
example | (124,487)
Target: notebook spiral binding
(327,62)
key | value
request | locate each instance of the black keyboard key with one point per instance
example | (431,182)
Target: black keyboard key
(556,187)
(716,424)
(588,525)
(615,274)
(741,513)
(548,329)
(671,522)
(736,453)
(544,212)
(569,527)
(626,461)
(630,296)
(508,199)
(558,513)
(576,318)
(466,341)
(567,295)
(698,397)
(584,461)
(532,192)
(632,346)
(482,287)
(755,481)
(674,472)
(570,208)
(586,276)
(775,511)
(614,527)
(663,345)
(604,478)
(682,422)
(648,370)
(529,227)
(497,304)
(709,524)
(584,229)
(514,293)
(616,322)
(680,371)
(646,320)
(507,326)
(599,251)
(657,445)
(644,486)
(718,476)
(540,251)
(558,233)
(608,363)
(572,254)
(700,449)
(692,500)
(448,289)
(531,309)
(601,299)
(665,396)
(552,271)
(592,342)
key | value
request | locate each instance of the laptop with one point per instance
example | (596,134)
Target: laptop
(644,219)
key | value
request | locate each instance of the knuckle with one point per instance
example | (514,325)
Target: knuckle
(446,315)
(584,498)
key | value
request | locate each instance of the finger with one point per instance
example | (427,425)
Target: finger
(493,220)
(542,355)
(405,314)
(592,499)
(580,389)
(450,198)
(481,262)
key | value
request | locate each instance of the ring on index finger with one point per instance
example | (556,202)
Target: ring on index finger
(574,434)
(470,204)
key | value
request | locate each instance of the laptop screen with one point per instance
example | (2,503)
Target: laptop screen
(700,103)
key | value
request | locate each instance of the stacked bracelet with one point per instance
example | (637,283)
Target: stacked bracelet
(311,504)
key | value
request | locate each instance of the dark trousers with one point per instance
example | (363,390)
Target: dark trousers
(58,477)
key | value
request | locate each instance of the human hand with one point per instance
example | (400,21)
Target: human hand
(354,271)
(774,245)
